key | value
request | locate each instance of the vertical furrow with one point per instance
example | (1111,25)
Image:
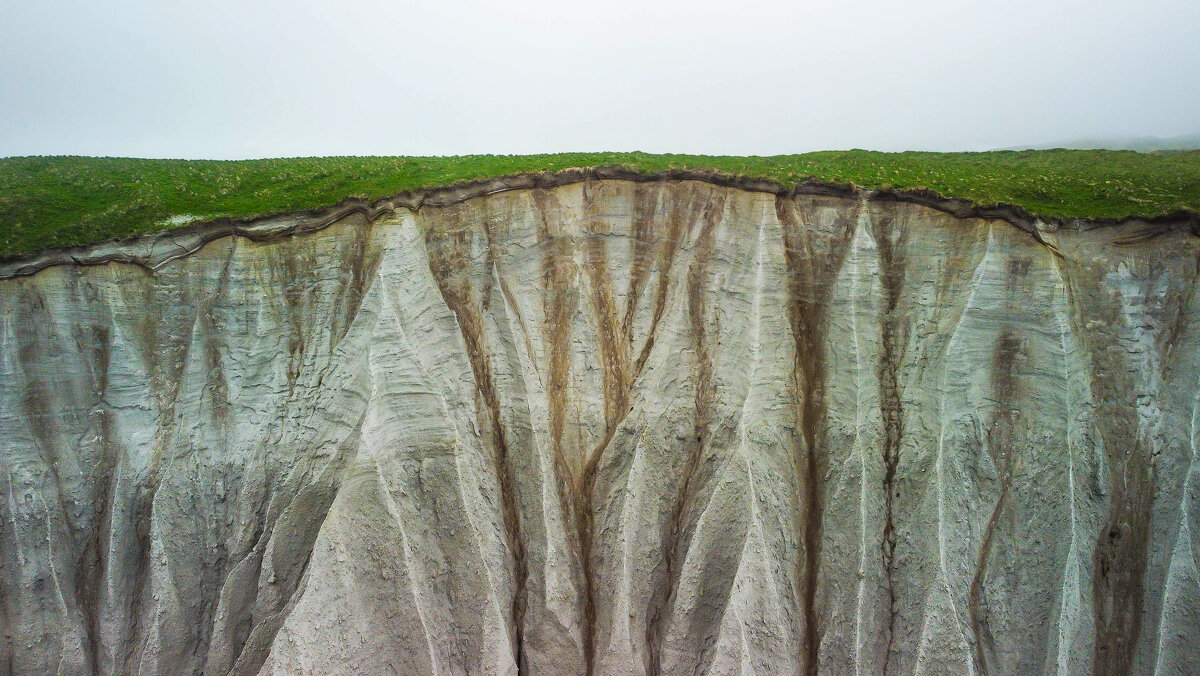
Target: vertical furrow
(1068,607)
(679,531)
(559,292)
(219,346)
(614,360)
(145,510)
(92,562)
(1133,441)
(450,267)
(641,258)
(890,409)
(998,441)
(944,544)
(1007,355)
(668,248)
(411,562)
(614,355)
(560,299)
(1120,564)
(860,595)
(809,275)
(1183,554)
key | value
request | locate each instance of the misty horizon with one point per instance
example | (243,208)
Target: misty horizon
(231,80)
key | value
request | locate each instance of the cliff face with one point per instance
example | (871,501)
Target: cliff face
(611,428)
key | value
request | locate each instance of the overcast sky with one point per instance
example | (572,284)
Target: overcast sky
(248,78)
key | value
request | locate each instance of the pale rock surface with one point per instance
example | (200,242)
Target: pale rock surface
(609,428)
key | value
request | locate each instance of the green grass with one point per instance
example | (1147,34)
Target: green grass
(58,201)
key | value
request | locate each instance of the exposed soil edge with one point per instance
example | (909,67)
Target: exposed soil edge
(155,249)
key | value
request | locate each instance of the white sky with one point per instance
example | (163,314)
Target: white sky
(254,78)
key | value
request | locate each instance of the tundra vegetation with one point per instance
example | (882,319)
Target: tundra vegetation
(50,202)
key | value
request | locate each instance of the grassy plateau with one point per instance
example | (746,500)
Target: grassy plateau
(60,201)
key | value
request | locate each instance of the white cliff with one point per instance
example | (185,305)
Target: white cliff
(607,426)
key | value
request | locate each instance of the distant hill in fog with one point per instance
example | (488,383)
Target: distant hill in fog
(1142,144)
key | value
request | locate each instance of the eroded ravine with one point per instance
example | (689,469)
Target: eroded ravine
(604,426)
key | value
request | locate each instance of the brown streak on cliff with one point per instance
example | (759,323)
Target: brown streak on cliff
(614,357)
(575,473)
(1120,564)
(810,269)
(677,538)
(666,252)
(614,353)
(893,340)
(1008,354)
(559,301)
(1121,555)
(92,560)
(449,263)
(641,236)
